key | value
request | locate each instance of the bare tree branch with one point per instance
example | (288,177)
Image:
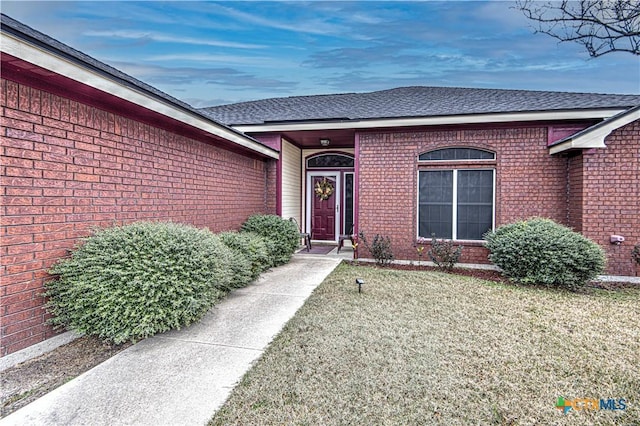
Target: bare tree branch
(600,26)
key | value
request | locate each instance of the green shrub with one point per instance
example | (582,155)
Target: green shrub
(380,248)
(239,266)
(635,253)
(443,253)
(282,237)
(540,251)
(253,246)
(130,282)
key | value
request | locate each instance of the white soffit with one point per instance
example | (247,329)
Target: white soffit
(49,61)
(594,136)
(431,121)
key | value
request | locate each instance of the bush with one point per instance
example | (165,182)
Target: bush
(130,282)
(540,251)
(635,253)
(252,246)
(443,253)
(282,236)
(380,248)
(239,266)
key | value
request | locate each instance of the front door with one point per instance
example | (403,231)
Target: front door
(324,207)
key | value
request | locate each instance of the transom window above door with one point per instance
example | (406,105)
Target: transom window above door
(330,161)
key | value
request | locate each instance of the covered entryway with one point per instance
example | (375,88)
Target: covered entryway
(330,197)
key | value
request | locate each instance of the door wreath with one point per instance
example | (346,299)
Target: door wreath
(324,189)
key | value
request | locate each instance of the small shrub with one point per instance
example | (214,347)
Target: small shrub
(253,246)
(540,251)
(239,265)
(130,282)
(380,248)
(635,253)
(282,237)
(443,253)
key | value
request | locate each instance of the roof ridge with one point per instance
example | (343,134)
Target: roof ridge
(416,87)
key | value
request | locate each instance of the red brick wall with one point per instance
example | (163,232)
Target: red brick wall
(611,204)
(534,185)
(596,192)
(575,193)
(270,198)
(67,167)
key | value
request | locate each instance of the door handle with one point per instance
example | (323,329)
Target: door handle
(337,208)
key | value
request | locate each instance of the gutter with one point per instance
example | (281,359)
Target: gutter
(594,136)
(602,113)
(40,50)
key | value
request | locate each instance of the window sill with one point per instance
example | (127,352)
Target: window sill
(466,243)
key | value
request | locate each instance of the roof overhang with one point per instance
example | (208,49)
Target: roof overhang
(594,136)
(584,114)
(16,49)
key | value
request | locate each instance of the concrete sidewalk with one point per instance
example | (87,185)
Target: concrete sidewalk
(182,377)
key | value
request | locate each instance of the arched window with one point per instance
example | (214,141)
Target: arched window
(457,154)
(330,161)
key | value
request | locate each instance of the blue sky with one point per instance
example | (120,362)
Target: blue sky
(210,53)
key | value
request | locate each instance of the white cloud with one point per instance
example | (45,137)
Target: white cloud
(255,61)
(316,26)
(153,36)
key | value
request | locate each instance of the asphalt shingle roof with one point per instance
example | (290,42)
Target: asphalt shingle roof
(415,101)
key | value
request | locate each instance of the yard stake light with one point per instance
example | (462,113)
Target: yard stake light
(359,281)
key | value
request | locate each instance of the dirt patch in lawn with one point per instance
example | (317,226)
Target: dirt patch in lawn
(29,380)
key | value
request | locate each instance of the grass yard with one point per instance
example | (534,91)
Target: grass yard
(430,348)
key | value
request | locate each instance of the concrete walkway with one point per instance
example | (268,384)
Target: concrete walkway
(182,377)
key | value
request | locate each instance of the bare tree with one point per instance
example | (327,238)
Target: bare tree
(600,26)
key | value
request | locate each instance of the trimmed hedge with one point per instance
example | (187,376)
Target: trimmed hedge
(251,245)
(133,281)
(239,266)
(540,251)
(282,236)
(130,282)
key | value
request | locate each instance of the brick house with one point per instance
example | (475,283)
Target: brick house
(86,145)
(413,161)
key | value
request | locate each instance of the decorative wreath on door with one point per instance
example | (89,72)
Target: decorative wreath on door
(324,189)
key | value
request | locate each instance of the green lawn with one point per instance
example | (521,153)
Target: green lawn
(430,348)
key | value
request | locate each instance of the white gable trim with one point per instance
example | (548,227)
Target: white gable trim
(594,136)
(47,60)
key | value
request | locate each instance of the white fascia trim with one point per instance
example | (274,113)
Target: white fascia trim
(49,61)
(594,137)
(432,121)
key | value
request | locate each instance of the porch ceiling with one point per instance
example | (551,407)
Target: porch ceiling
(343,138)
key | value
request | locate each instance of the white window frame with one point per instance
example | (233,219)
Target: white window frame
(454,225)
